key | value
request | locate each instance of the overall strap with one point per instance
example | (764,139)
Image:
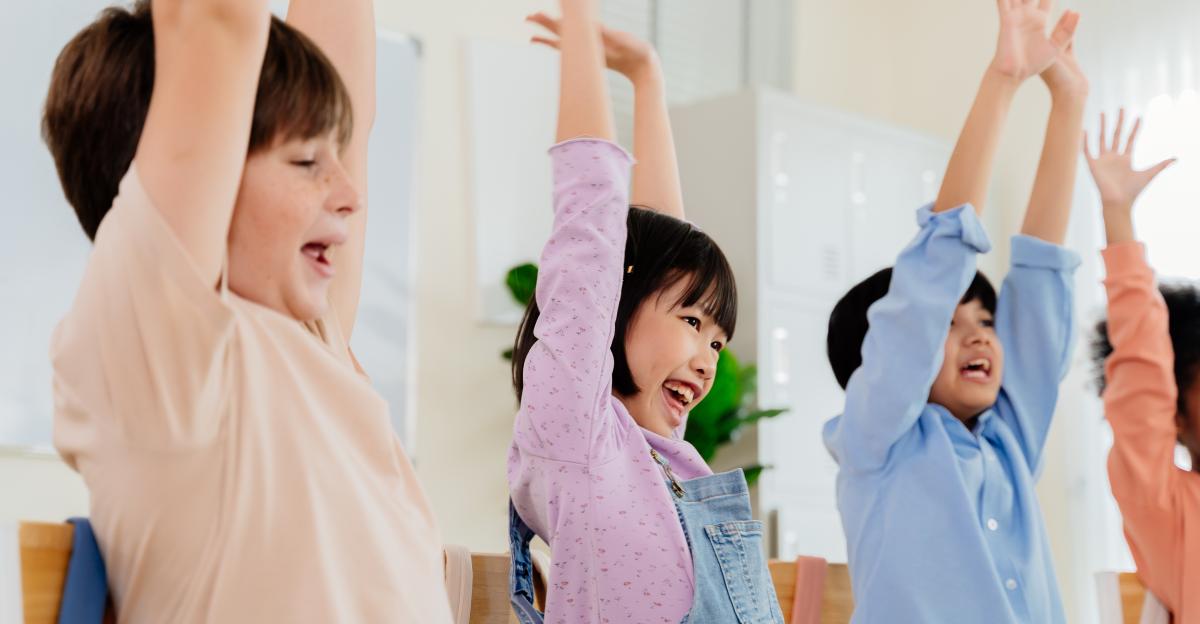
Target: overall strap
(520,573)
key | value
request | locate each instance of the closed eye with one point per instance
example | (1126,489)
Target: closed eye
(305,163)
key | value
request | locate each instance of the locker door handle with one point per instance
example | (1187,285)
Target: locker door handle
(780,366)
(858,192)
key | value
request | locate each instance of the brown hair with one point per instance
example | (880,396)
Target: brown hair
(100,92)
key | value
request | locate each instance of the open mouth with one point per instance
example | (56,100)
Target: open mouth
(979,369)
(317,254)
(679,396)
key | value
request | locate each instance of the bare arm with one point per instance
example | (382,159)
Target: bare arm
(970,169)
(656,182)
(1023,51)
(345,32)
(1049,209)
(208,55)
(584,108)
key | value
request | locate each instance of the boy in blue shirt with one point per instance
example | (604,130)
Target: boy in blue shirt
(941,437)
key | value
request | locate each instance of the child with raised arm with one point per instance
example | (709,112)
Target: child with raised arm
(239,464)
(950,389)
(632,309)
(1149,351)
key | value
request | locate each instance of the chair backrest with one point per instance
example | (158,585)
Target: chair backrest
(837,604)
(489,603)
(45,552)
(811,591)
(1124,600)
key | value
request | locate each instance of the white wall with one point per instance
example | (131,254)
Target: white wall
(39,487)
(465,403)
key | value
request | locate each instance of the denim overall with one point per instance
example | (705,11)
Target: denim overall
(733,585)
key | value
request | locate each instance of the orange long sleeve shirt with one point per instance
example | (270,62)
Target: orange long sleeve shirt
(1159,502)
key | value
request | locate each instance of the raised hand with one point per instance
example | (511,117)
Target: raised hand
(1112,167)
(623,52)
(1119,183)
(1024,50)
(1065,77)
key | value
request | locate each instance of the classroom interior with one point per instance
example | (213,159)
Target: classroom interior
(808,132)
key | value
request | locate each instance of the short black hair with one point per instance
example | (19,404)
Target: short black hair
(1183,309)
(663,251)
(848,322)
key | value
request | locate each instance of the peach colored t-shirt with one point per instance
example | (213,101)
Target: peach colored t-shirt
(1160,503)
(240,469)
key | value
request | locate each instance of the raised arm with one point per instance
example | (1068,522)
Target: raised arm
(1035,318)
(1116,179)
(208,55)
(345,32)
(1049,208)
(567,388)
(1140,391)
(584,109)
(1023,50)
(906,337)
(656,182)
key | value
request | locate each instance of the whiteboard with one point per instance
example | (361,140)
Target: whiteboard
(43,250)
(512,110)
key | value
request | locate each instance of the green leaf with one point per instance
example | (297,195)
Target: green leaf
(522,282)
(753,472)
(724,396)
(507,354)
(758,415)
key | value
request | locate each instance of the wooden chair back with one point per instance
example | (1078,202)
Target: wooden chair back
(823,591)
(45,550)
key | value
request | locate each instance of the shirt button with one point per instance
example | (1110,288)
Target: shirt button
(1011,584)
(992,525)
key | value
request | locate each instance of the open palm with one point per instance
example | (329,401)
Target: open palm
(1024,49)
(1112,167)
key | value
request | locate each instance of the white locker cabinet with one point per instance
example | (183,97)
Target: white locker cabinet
(805,201)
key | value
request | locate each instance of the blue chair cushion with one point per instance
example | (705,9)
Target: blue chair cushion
(85,593)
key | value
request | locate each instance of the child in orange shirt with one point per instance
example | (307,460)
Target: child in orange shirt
(1150,352)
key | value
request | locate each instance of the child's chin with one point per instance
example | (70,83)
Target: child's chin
(314,306)
(980,399)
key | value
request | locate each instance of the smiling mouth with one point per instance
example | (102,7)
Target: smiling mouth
(317,254)
(678,397)
(979,369)
(680,392)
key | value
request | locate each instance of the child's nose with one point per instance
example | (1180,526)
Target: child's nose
(978,337)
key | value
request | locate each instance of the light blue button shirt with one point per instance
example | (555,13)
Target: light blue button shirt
(942,523)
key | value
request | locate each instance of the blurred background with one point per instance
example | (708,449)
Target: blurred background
(808,132)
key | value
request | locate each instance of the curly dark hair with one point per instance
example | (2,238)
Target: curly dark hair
(1183,308)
